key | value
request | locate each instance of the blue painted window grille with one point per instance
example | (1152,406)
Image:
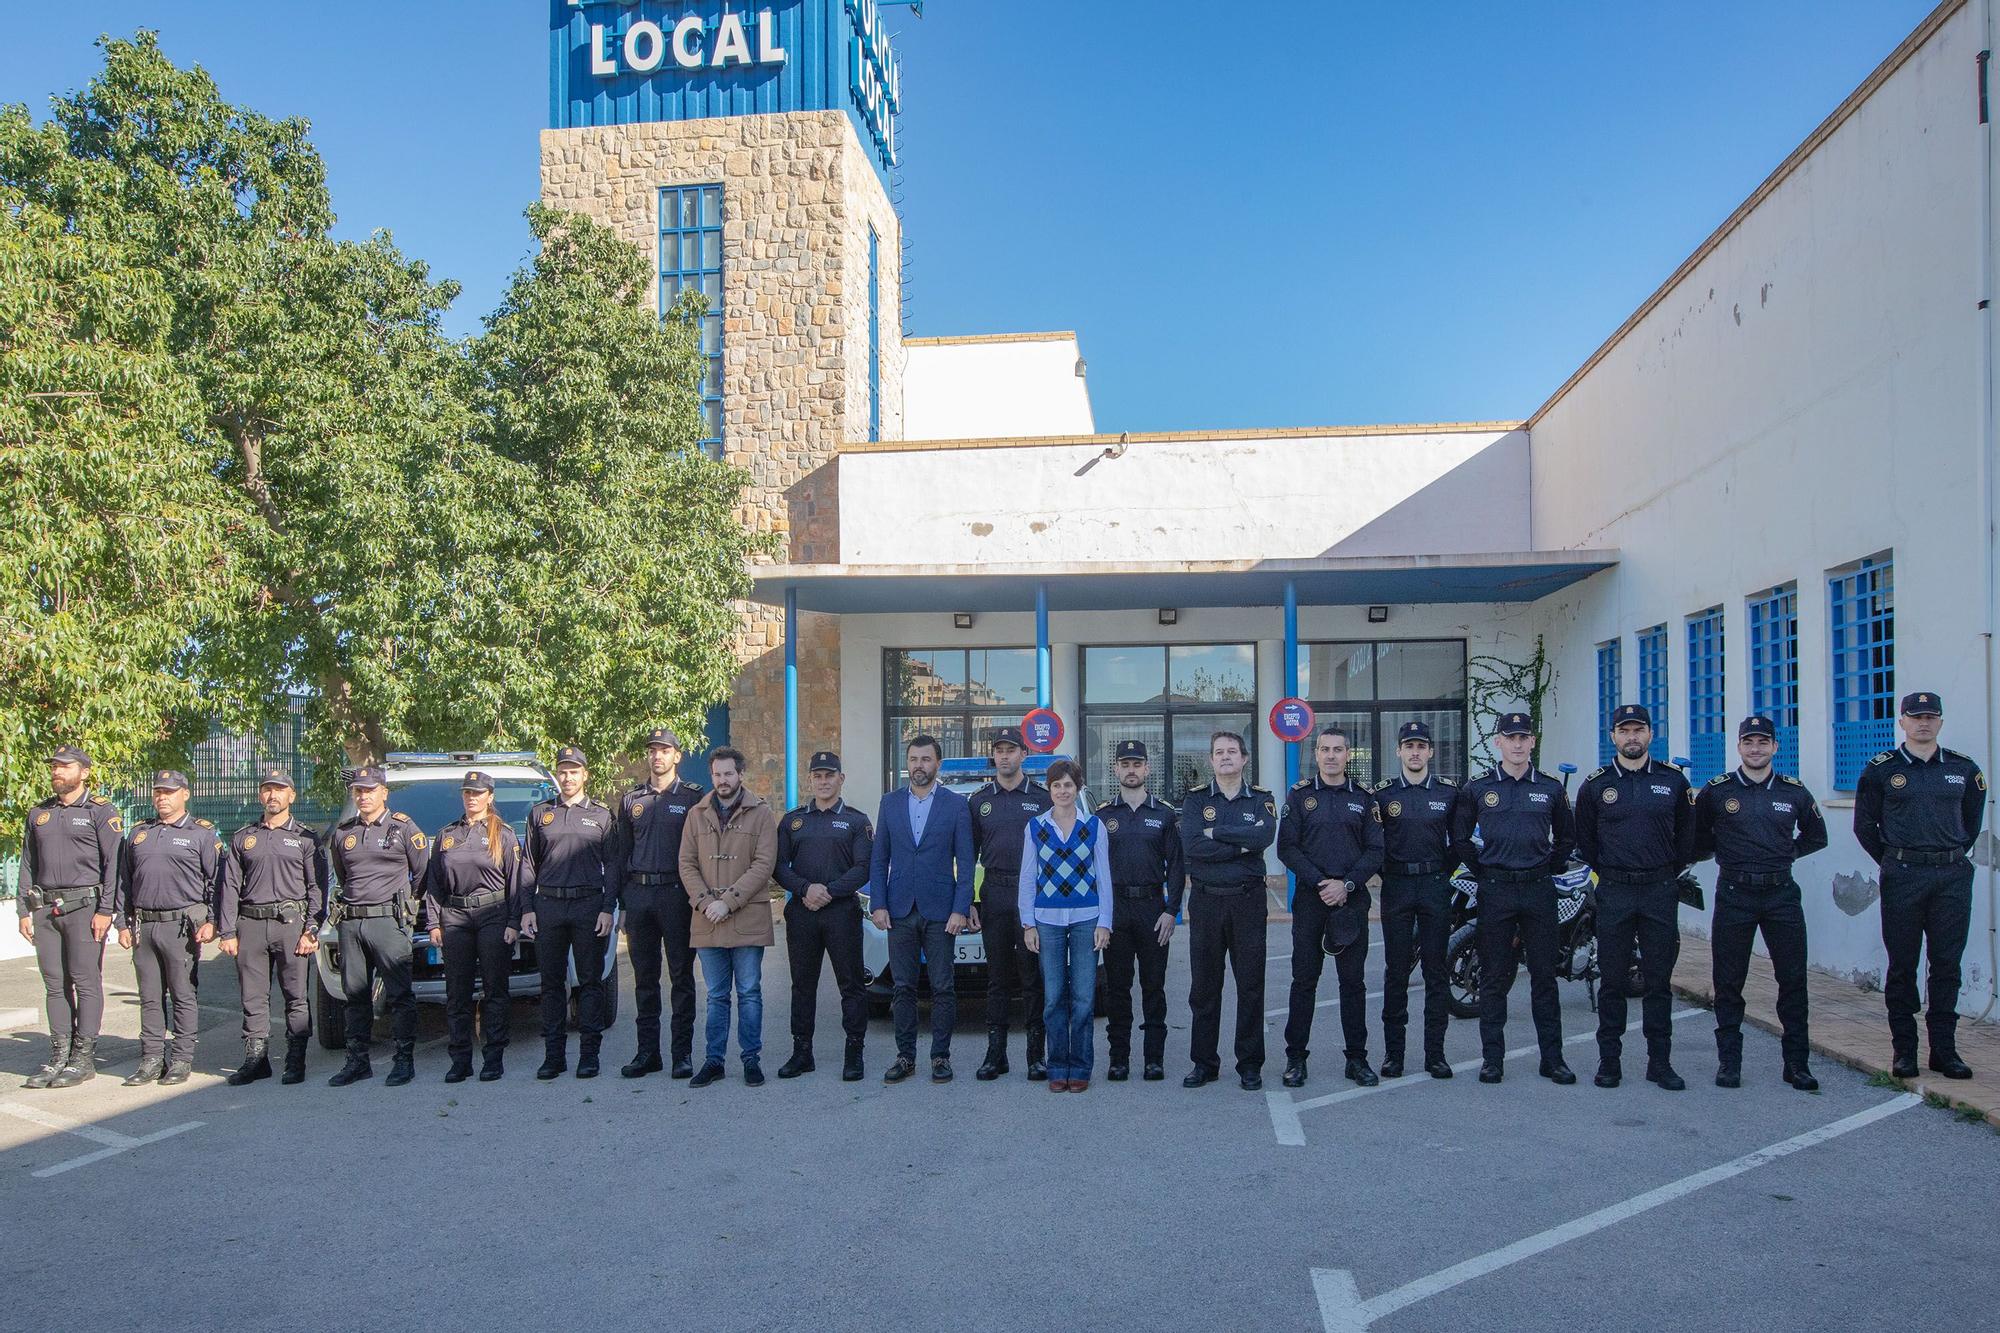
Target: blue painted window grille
(691,259)
(1705,701)
(1653,686)
(1609,665)
(874,335)
(1774,668)
(1862,632)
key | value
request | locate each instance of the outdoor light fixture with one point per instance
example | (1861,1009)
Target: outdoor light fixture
(1079,367)
(1169,616)
(1378,615)
(961,620)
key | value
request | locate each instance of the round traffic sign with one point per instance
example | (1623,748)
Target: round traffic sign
(1041,730)
(1291,720)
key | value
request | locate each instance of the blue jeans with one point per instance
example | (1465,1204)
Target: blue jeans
(743,965)
(1069,988)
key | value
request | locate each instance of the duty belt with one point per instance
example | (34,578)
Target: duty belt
(61,900)
(366,911)
(1763,881)
(473,901)
(172,914)
(1917,856)
(1612,875)
(1412,867)
(273,911)
(1512,876)
(1138,891)
(647,879)
(569,892)
(1226,890)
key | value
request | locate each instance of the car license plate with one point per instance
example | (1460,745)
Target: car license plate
(971,951)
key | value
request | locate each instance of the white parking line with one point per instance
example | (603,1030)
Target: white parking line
(114,1142)
(1343,1311)
(1331,1000)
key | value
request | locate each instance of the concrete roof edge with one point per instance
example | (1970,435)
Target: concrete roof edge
(1300,564)
(1179,436)
(969,339)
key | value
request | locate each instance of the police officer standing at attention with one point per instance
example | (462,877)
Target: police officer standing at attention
(646,874)
(1000,813)
(1521,816)
(273,901)
(69,880)
(1416,807)
(172,872)
(477,881)
(379,857)
(1331,839)
(1148,880)
(1755,824)
(1226,827)
(823,852)
(1635,828)
(569,837)
(1917,810)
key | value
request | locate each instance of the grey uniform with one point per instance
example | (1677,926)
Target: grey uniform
(69,873)
(172,875)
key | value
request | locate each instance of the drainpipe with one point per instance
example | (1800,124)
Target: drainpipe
(1990,474)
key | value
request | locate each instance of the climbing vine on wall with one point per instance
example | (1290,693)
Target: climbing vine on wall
(1494,686)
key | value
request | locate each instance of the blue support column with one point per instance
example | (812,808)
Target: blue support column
(1044,691)
(1291,691)
(791,697)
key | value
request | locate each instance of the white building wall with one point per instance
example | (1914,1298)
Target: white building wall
(983,388)
(1805,396)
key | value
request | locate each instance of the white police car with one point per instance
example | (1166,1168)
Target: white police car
(425,786)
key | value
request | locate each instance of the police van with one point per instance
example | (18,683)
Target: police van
(425,786)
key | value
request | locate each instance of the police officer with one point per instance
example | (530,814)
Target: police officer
(646,870)
(1331,838)
(1917,810)
(1521,817)
(476,883)
(273,904)
(1416,807)
(1755,823)
(69,878)
(569,838)
(1635,828)
(1148,879)
(379,857)
(823,851)
(1226,827)
(172,872)
(1000,813)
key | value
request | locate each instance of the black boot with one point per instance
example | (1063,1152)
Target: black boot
(177,1071)
(1800,1077)
(1295,1073)
(1359,1072)
(461,1068)
(995,1063)
(800,1063)
(850,1069)
(644,1062)
(404,1067)
(256,1063)
(356,1069)
(149,1071)
(555,1060)
(81,1066)
(295,1058)
(586,1058)
(58,1057)
(493,1066)
(1038,1068)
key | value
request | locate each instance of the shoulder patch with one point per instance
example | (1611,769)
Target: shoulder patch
(1301,784)
(100,800)
(206,823)
(1448,782)
(1718,779)
(399,816)
(1790,780)
(1599,771)
(1883,757)
(1385,784)
(1953,754)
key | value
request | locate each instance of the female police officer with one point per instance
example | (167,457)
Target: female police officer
(477,880)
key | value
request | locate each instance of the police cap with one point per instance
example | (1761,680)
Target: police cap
(273,776)
(1007,736)
(170,779)
(1624,713)
(1923,705)
(475,780)
(368,775)
(1130,750)
(1516,724)
(662,737)
(1413,730)
(1756,725)
(824,761)
(570,755)
(69,754)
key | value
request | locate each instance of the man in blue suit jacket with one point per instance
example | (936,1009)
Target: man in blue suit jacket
(921,877)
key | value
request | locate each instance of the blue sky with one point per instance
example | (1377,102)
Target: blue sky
(1306,214)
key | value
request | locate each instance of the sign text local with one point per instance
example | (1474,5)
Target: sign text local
(647,46)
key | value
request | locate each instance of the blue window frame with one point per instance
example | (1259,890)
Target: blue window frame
(1774,668)
(874,335)
(1653,686)
(1610,663)
(1705,699)
(691,259)
(1861,626)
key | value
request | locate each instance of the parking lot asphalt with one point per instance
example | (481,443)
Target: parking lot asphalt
(817,1204)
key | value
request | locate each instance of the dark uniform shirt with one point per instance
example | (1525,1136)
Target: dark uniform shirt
(829,847)
(285,864)
(462,866)
(567,845)
(380,862)
(1756,828)
(1244,826)
(1145,849)
(1416,822)
(1523,824)
(999,825)
(1330,832)
(648,832)
(1637,820)
(169,866)
(72,846)
(1934,805)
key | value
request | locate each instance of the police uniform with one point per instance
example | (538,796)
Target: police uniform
(1329,830)
(1416,906)
(569,845)
(172,874)
(1223,841)
(829,847)
(1755,830)
(477,882)
(1148,881)
(273,897)
(378,865)
(646,870)
(1918,818)
(69,876)
(1000,818)
(1635,828)
(1525,834)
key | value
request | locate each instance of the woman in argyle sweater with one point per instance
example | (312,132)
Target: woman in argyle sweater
(1066,918)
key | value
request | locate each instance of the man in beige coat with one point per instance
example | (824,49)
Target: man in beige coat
(729,848)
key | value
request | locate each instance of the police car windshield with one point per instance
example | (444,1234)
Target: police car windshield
(431,803)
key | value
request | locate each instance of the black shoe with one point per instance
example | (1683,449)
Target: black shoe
(642,1064)
(1950,1066)
(900,1069)
(1295,1074)
(554,1065)
(1905,1066)
(1251,1082)
(58,1057)
(492,1069)
(1359,1072)
(800,1063)
(295,1058)
(256,1063)
(850,1069)
(1608,1075)
(1391,1068)
(1491,1071)
(1038,1071)
(1198,1077)
(461,1070)
(1118,1071)
(81,1067)
(1666,1078)
(995,1063)
(711,1072)
(586,1064)
(683,1067)
(1438,1068)
(356,1069)
(404,1067)
(1801,1078)
(177,1072)
(1038,1065)
(940,1069)
(1555,1071)
(149,1071)
(1155,1071)
(1728,1076)
(753,1074)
